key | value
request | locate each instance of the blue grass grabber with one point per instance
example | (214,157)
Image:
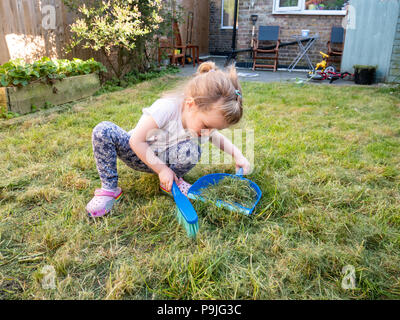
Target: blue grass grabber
(195,191)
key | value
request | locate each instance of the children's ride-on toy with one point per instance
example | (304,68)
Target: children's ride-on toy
(323,72)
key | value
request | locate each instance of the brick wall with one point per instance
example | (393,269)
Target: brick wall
(290,25)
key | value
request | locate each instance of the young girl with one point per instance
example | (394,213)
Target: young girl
(166,139)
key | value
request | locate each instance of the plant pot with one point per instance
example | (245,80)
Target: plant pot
(39,95)
(364,74)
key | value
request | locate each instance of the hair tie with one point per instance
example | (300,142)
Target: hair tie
(212,70)
(238,93)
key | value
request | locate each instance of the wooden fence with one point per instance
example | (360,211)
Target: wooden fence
(28,31)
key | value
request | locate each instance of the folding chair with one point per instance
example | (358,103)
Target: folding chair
(270,34)
(335,45)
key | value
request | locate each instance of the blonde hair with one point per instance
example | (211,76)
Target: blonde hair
(211,87)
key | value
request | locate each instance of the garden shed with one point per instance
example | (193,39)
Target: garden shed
(373,38)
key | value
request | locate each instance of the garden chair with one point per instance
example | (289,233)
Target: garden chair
(173,52)
(335,44)
(266,34)
(173,48)
(178,40)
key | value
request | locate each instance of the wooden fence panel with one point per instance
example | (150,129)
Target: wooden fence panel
(22,34)
(22,31)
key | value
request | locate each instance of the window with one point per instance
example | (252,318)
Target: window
(319,7)
(227,14)
(288,5)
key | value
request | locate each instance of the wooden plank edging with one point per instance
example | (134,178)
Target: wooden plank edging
(3,99)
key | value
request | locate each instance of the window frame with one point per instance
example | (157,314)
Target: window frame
(302,10)
(222,18)
(287,9)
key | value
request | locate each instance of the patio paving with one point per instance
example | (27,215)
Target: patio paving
(246,74)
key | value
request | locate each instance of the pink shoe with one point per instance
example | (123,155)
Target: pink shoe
(102,202)
(182,185)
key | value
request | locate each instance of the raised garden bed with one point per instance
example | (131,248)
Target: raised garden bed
(26,99)
(26,87)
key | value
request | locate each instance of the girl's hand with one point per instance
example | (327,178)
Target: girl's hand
(167,177)
(241,162)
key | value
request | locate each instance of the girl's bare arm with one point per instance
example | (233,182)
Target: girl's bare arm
(223,143)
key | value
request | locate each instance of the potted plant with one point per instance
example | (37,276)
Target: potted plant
(364,74)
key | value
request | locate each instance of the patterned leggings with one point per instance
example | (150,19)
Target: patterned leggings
(110,141)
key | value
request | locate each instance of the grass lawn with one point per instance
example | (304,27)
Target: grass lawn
(327,159)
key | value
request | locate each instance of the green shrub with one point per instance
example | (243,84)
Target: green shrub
(8,114)
(125,29)
(134,77)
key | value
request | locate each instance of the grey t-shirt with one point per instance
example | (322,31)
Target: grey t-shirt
(166,112)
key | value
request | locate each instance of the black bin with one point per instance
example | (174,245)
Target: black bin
(364,74)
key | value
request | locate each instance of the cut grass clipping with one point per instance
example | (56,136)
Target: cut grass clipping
(232,191)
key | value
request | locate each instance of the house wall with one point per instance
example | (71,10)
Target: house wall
(290,25)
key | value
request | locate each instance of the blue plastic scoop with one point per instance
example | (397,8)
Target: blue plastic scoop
(195,191)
